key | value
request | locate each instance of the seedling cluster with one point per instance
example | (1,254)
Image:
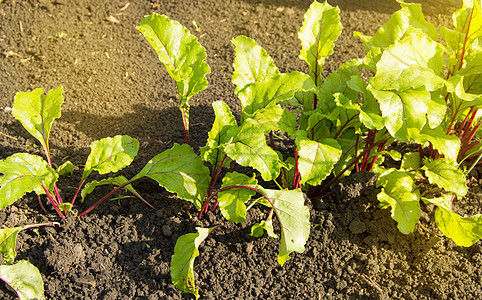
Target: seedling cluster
(421,91)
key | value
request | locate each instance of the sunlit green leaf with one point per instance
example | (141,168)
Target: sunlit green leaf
(258,229)
(111,154)
(23,278)
(37,112)
(182,262)
(231,201)
(464,231)
(179,170)
(118,181)
(252,63)
(446,176)
(321,28)
(23,173)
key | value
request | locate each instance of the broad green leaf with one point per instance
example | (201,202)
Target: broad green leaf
(448,145)
(472,63)
(223,121)
(294,219)
(37,112)
(24,279)
(446,176)
(179,170)
(444,201)
(277,90)
(23,173)
(408,19)
(8,239)
(411,161)
(339,82)
(321,28)
(182,262)
(405,112)
(437,108)
(231,201)
(252,63)
(316,159)
(399,193)
(249,149)
(463,231)
(111,154)
(258,229)
(275,118)
(67,168)
(408,64)
(118,181)
(180,52)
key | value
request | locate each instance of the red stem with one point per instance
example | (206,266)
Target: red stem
(186,126)
(77,191)
(55,205)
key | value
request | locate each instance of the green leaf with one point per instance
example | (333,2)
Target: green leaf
(405,112)
(294,220)
(321,28)
(182,262)
(37,112)
(67,168)
(463,231)
(258,229)
(448,145)
(118,181)
(411,161)
(180,52)
(400,195)
(179,170)
(23,173)
(403,22)
(316,159)
(277,90)
(446,176)
(231,201)
(111,154)
(409,64)
(24,278)
(252,63)
(223,121)
(274,118)
(249,149)
(8,239)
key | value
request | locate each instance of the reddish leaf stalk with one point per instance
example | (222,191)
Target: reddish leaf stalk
(186,126)
(54,203)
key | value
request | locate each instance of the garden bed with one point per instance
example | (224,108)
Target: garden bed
(114,84)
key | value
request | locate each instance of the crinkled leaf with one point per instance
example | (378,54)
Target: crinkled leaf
(23,173)
(24,278)
(294,218)
(411,63)
(405,112)
(275,118)
(279,89)
(37,112)
(408,19)
(448,145)
(223,121)
(339,82)
(180,52)
(179,170)
(464,231)
(399,193)
(258,229)
(231,201)
(249,149)
(446,176)
(321,28)
(67,168)
(182,262)
(252,63)
(111,154)
(316,159)
(119,180)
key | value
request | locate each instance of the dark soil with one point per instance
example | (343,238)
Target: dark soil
(114,84)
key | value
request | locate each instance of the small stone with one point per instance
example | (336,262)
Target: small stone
(166,230)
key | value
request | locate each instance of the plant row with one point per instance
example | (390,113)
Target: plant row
(424,88)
